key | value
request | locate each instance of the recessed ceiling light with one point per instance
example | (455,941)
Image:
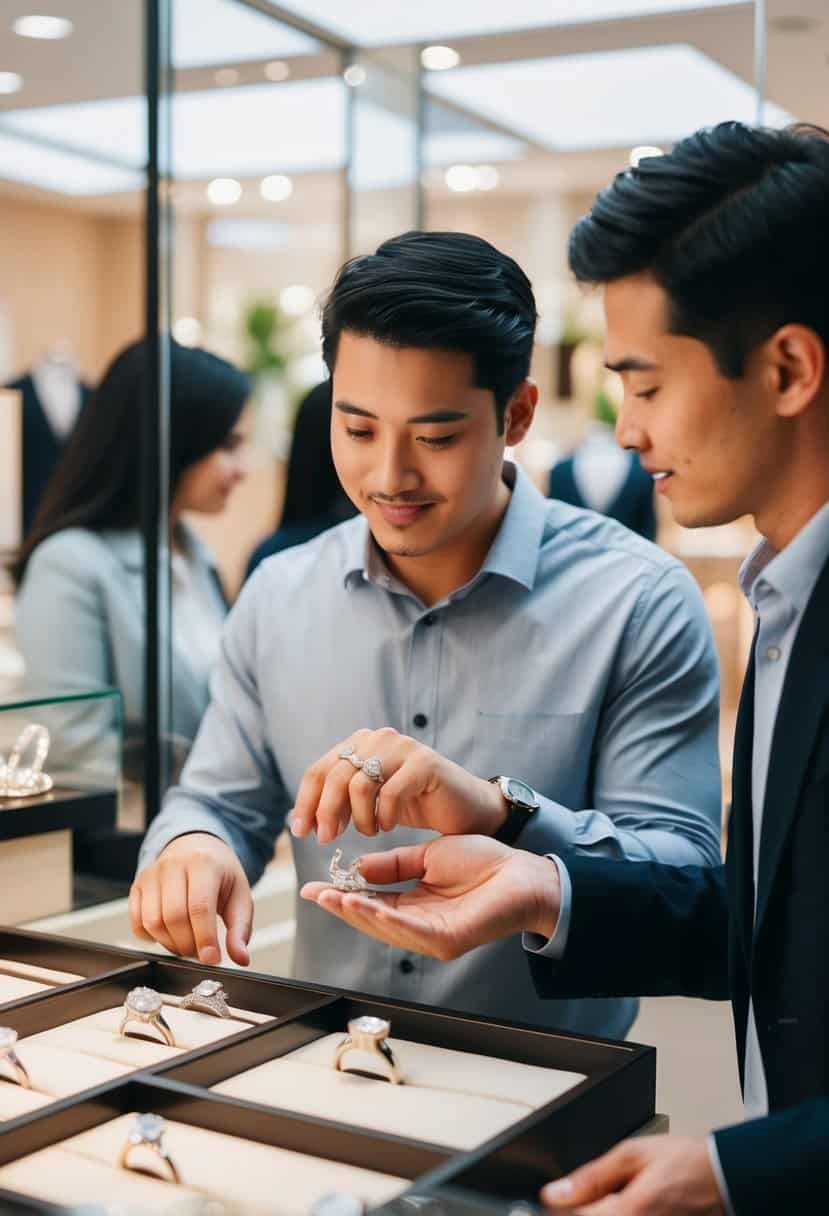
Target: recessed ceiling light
(297,299)
(276,188)
(47,28)
(461,179)
(354,75)
(643,152)
(439,58)
(226,76)
(224,191)
(187,331)
(10,82)
(277,70)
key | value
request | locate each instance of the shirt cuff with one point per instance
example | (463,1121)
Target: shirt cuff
(716,1166)
(555,946)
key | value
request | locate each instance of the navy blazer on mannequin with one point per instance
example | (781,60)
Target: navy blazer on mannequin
(42,448)
(652,929)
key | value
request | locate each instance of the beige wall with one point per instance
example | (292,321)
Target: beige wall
(71,276)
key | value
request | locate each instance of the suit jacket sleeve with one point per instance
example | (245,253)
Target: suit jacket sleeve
(780,1163)
(641,929)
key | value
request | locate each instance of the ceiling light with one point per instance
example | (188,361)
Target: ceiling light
(47,28)
(223,191)
(276,188)
(439,58)
(296,299)
(226,76)
(187,331)
(354,76)
(10,82)
(277,70)
(461,179)
(643,152)
(488,177)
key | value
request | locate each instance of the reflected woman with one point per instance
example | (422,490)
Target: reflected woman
(80,572)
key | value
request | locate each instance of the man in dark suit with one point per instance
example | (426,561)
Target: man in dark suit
(714,260)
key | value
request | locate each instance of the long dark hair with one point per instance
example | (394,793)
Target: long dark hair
(313,489)
(97,484)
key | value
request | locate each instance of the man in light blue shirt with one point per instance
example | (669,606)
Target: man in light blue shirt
(463,618)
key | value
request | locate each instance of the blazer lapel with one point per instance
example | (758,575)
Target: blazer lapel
(802,709)
(740,823)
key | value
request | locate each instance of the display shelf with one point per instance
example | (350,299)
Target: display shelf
(62,808)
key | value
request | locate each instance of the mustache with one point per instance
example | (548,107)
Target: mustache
(404,500)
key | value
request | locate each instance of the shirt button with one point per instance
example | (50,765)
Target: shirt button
(431,619)
(407,966)
(420,720)
(773,653)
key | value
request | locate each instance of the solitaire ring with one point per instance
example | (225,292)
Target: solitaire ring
(8,1055)
(144,1005)
(373,769)
(348,753)
(17,782)
(370,1034)
(147,1131)
(208,997)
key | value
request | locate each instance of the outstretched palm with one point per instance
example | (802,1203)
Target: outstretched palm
(470,890)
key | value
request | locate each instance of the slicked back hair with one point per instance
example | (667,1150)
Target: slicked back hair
(733,224)
(439,291)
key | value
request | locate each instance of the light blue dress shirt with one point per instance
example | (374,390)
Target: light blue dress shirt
(578,658)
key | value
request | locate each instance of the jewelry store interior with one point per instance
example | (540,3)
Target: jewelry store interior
(200,169)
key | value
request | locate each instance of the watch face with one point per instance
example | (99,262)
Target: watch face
(519,791)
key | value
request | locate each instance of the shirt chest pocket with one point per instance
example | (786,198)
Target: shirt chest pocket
(553,752)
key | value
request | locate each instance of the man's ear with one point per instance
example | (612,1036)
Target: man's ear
(795,356)
(520,412)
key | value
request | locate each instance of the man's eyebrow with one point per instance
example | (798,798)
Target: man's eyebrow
(440,416)
(345,407)
(632,363)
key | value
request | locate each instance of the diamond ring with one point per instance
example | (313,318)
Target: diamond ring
(208,997)
(347,878)
(348,753)
(17,782)
(144,1005)
(373,769)
(8,1041)
(148,1131)
(370,1034)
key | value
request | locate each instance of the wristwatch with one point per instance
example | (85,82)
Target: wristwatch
(522,802)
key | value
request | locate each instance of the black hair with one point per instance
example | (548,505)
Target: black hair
(97,483)
(439,291)
(733,223)
(312,488)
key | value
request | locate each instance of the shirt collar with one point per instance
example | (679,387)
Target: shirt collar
(513,554)
(793,571)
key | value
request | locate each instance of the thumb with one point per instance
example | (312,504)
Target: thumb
(237,914)
(594,1180)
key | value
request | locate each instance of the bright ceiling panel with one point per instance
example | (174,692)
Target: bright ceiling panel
(207,32)
(369,23)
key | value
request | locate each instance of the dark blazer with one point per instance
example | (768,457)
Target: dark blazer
(646,928)
(42,448)
(633,505)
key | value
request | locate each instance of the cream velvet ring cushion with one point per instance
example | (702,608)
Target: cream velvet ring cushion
(227,1167)
(54,1073)
(44,975)
(97,1035)
(14,988)
(58,1176)
(453,1099)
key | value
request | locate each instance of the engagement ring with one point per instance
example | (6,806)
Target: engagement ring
(209,997)
(144,1005)
(147,1131)
(8,1055)
(370,1034)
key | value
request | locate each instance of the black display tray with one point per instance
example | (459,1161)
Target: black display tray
(616,1099)
(57,811)
(59,954)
